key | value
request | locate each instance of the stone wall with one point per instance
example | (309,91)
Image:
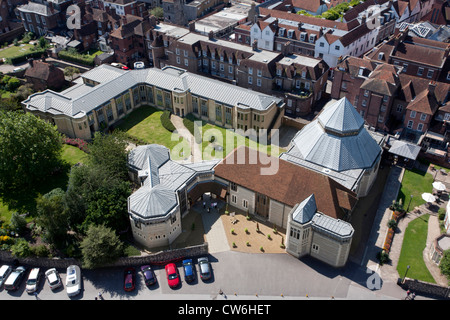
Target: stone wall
(425,288)
(161,257)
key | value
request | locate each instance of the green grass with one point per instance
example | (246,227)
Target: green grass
(414,183)
(414,243)
(72,155)
(228,140)
(144,123)
(15,50)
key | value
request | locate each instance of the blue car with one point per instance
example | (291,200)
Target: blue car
(189,271)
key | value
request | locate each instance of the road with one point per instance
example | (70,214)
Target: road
(238,275)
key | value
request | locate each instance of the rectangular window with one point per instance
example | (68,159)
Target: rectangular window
(410,124)
(420,127)
(423,117)
(218,112)
(399,108)
(204,107)
(250,80)
(430,73)
(315,248)
(233,199)
(245,203)
(420,71)
(233,186)
(413,114)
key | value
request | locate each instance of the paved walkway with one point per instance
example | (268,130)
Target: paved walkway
(212,223)
(196,151)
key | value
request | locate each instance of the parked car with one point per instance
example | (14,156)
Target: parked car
(189,270)
(33,280)
(149,275)
(53,278)
(73,280)
(15,279)
(205,268)
(5,271)
(129,279)
(173,277)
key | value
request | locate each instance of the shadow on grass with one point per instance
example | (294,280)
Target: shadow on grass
(24,200)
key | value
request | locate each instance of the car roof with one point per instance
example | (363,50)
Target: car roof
(34,272)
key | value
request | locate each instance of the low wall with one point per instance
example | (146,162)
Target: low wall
(158,258)
(425,288)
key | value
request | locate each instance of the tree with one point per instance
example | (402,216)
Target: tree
(71,72)
(30,149)
(100,246)
(94,196)
(52,216)
(23,92)
(445,264)
(158,12)
(108,151)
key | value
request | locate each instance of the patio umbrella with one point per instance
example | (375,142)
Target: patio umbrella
(439,186)
(428,197)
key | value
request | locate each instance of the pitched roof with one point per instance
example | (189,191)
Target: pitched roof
(304,212)
(336,140)
(42,70)
(289,184)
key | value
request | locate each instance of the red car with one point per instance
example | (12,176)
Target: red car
(129,279)
(173,277)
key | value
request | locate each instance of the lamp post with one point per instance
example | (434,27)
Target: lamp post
(407,268)
(407,210)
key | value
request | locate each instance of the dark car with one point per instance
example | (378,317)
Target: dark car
(149,275)
(129,279)
(205,268)
(15,279)
(189,271)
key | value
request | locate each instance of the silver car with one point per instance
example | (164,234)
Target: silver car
(5,270)
(73,280)
(53,278)
(205,268)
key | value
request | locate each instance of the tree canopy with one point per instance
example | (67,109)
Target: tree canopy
(30,149)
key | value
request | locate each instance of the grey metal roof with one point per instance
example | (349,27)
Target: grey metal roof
(152,202)
(337,140)
(341,117)
(333,227)
(114,81)
(405,149)
(304,212)
(138,156)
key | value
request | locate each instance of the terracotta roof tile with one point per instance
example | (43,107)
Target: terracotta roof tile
(290,185)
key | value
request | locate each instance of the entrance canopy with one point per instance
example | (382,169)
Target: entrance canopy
(203,187)
(405,149)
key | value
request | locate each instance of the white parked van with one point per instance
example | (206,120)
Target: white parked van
(33,280)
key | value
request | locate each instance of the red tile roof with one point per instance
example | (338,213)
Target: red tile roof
(290,185)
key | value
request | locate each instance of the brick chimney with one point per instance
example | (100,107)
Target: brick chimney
(211,35)
(192,26)
(255,45)
(431,87)
(300,24)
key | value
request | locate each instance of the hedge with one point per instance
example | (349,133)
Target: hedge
(165,121)
(25,56)
(77,58)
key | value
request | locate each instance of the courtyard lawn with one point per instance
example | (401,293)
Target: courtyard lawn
(13,51)
(144,123)
(228,141)
(414,183)
(414,243)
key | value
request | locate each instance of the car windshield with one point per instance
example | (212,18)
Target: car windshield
(172,276)
(128,285)
(30,282)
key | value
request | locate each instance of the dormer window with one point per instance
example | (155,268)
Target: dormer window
(281,32)
(303,36)
(381,56)
(312,38)
(290,34)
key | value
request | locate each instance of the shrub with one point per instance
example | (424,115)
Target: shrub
(79,143)
(248,244)
(441,213)
(392,224)
(73,56)
(269,237)
(21,248)
(232,231)
(40,251)
(383,257)
(165,121)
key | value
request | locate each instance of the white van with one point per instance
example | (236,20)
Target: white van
(33,280)
(5,270)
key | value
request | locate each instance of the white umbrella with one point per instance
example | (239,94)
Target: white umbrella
(439,186)
(428,197)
